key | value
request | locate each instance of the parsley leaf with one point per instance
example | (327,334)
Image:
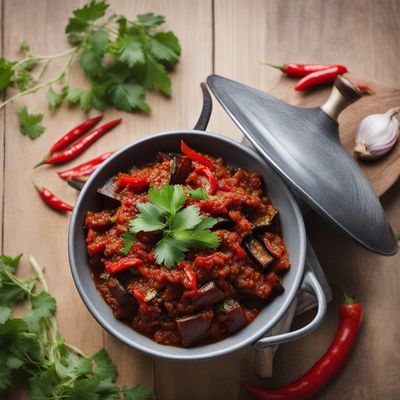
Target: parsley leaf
(29,124)
(131,51)
(129,239)
(128,96)
(197,193)
(139,392)
(182,228)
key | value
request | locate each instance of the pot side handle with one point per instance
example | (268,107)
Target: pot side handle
(311,285)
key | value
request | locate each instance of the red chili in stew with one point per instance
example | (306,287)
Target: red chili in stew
(213,292)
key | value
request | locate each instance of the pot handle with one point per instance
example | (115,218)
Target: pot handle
(311,285)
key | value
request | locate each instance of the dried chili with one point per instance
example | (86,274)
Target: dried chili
(74,133)
(84,169)
(52,200)
(320,77)
(80,145)
(327,366)
(301,70)
(195,156)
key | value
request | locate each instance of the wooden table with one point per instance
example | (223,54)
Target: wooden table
(232,38)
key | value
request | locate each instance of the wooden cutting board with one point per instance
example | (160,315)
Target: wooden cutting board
(383,173)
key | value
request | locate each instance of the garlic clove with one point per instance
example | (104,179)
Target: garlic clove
(377,134)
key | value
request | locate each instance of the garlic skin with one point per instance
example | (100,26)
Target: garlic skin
(377,134)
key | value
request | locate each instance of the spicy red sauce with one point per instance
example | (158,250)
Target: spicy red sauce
(214,292)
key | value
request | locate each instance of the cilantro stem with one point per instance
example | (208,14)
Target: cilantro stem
(40,58)
(39,272)
(43,70)
(44,84)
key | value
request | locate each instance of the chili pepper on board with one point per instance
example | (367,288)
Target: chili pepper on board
(84,169)
(80,145)
(195,156)
(300,70)
(52,200)
(212,180)
(74,133)
(326,367)
(320,77)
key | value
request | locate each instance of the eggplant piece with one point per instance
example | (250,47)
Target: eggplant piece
(207,295)
(234,318)
(108,189)
(266,224)
(192,328)
(223,223)
(124,305)
(258,252)
(180,169)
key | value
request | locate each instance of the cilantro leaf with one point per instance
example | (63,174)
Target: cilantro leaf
(103,366)
(184,219)
(169,252)
(128,96)
(132,52)
(82,16)
(129,239)
(5,373)
(206,223)
(197,238)
(157,76)
(150,218)
(24,46)
(43,306)
(55,99)
(139,392)
(171,198)
(29,124)
(197,193)
(150,20)
(161,51)
(5,313)
(6,73)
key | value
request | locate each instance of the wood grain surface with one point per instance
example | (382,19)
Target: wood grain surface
(231,38)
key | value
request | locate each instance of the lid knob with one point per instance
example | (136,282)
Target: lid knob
(342,95)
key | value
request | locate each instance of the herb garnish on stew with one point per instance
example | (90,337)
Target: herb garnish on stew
(182,228)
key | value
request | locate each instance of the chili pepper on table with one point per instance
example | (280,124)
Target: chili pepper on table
(301,70)
(123,263)
(52,200)
(84,169)
(80,145)
(74,133)
(195,156)
(320,77)
(326,367)
(212,180)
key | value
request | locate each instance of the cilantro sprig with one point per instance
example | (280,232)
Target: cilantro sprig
(32,344)
(121,58)
(181,227)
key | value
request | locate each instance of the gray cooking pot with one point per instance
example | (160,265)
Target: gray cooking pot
(299,277)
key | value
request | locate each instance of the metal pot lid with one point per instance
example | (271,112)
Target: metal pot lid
(303,146)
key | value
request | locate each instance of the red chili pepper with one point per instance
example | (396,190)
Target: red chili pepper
(320,77)
(326,367)
(123,263)
(190,279)
(52,201)
(132,182)
(74,134)
(300,70)
(365,89)
(84,169)
(212,180)
(80,145)
(98,246)
(195,156)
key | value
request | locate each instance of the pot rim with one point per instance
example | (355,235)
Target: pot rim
(154,348)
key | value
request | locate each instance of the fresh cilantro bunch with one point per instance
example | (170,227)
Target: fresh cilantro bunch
(32,344)
(122,60)
(182,228)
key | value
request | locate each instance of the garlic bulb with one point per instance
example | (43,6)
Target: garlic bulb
(377,134)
